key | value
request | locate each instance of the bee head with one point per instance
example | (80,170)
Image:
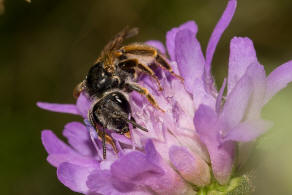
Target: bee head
(98,80)
(112,112)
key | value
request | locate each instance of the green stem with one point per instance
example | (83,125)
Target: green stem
(202,191)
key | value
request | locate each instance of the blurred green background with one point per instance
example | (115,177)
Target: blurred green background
(47,46)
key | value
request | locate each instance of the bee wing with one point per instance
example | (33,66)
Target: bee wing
(116,43)
(107,55)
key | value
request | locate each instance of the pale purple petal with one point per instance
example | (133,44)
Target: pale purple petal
(121,138)
(148,170)
(53,144)
(189,57)
(222,160)
(208,128)
(63,108)
(248,131)
(74,176)
(278,79)
(83,105)
(220,96)
(60,152)
(74,158)
(242,55)
(78,137)
(170,37)
(102,182)
(218,31)
(236,103)
(192,169)
(151,153)
(256,73)
(137,98)
(206,118)
(134,167)
(157,44)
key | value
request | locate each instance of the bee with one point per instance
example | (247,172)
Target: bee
(113,76)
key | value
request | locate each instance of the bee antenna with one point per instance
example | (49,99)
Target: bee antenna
(130,121)
(137,125)
(134,124)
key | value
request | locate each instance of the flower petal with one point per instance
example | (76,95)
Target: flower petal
(191,168)
(236,103)
(133,167)
(206,123)
(212,44)
(63,108)
(170,36)
(102,182)
(57,159)
(60,152)
(78,137)
(148,171)
(205,117)
(278,79)
(218,31)
(157,44)
(83,105)
(189,57)
(121,138)
(242,55)
(248,131)
(220,96)
(53,144)
(74,176)
(191,65)
(256,73)
(151,153)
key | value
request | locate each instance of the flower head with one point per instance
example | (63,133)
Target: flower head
(192,141)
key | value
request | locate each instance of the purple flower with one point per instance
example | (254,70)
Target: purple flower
(195,138)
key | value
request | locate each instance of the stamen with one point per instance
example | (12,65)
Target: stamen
(93,136)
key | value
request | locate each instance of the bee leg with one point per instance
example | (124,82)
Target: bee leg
(139,49)
(162,62)
(78,89)
(133,63)
(146,69)
(103,144)
(106,139)
(146,51)
(145,92)
(111,142)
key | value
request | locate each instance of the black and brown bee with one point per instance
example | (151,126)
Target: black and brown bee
(113,76)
